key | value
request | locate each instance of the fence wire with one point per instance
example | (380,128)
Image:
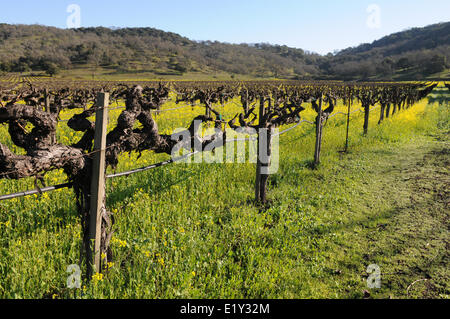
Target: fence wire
(153,166)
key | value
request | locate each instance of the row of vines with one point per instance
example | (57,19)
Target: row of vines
(32,110)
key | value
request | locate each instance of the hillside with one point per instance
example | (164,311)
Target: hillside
(414,53)
(145,52)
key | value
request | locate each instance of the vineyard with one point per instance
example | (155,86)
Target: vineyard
(60,140)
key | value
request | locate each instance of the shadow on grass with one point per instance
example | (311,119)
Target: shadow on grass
(364,221)
(151,182)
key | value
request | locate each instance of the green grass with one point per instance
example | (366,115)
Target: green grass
(193,231)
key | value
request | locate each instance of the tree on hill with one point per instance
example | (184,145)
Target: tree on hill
(51,68)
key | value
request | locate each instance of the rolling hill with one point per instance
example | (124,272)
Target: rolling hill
(418,53)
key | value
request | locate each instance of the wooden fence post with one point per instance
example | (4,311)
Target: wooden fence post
(47,109)
(97,201)
(264,169)
(318,134)
(348,126)
(208,111)
(382,110)
(46,101)
(258,162)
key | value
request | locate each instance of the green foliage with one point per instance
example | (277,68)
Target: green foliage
(51,68)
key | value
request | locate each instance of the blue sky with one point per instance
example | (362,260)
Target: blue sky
(315,25)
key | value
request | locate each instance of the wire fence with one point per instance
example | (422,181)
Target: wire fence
(161,111)
(154,111)
(35,191)
(153,166)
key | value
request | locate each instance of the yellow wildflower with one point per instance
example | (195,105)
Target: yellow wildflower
(97,277)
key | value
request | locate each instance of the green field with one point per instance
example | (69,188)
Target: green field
(193,231)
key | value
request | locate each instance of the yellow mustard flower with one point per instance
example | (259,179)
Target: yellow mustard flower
(97,277)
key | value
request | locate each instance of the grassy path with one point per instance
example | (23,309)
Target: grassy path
(404,229)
